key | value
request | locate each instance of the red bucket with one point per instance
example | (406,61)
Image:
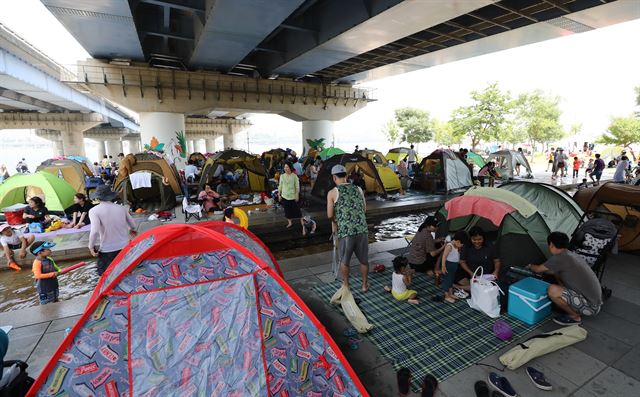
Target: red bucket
(14,217)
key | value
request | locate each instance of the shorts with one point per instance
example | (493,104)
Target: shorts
(358,244)
(597,174)
(579,303)
(560,165)
(105,259)
(14,246)
(48,297)
(426,266)
(403,296)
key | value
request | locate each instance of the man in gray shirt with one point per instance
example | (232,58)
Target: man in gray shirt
(579,292)
(111,224)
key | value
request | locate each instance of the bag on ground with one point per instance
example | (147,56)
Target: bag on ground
(351,310)
(484,295)
(542,344)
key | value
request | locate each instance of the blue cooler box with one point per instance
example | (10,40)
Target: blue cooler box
(528,300)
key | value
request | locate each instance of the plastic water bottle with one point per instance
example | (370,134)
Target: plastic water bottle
(66,331)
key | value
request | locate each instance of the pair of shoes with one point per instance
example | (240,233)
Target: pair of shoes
(502,385)
(14,266)
(564,319)
(538,379)
(460,293)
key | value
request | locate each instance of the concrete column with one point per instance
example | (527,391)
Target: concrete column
(191,146)
(165,128)
(72,142)
(314,130)
(57,148)
(227,141)
(101,150)
(201,146)
(114,147)
(210,145)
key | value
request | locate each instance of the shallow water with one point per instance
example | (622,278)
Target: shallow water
(18,291)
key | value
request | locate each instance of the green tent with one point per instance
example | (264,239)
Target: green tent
(516,226)
(330,152)
(476,159)
(558,209)
(58,194)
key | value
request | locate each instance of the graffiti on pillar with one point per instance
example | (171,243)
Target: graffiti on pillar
(154,145)
(315,146)
(177,148)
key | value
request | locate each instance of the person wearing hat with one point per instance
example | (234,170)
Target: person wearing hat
(111,224)
(346,208)
(45,271)
(13,240)
(423,253)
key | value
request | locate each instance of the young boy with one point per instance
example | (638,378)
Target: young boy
(308,225)
(45,271)
(13,240)
(576,167)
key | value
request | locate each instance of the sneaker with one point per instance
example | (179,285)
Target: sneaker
(460,293)
(538,379)
(564,319)
(14,266)
(502,385)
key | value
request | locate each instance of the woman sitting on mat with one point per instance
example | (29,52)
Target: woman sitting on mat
(400,280)
(423,254)
(480,253)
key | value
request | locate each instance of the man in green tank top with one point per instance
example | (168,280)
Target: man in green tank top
(346,207)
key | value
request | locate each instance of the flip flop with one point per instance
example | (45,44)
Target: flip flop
(481,389)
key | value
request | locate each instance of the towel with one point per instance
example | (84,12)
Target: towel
(140,179)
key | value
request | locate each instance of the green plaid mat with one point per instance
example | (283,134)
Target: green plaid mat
(437,338)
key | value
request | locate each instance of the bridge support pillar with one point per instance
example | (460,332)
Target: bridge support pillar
(130,146)
(114,147)
(72,142)
(210,145)
(191,146)
(168,129)
(199,146)
(227,141)
(314,130)
(101,151)
(57,148)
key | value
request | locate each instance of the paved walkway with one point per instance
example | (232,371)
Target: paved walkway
(606,364)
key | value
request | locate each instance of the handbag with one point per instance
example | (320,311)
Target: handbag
(484,294)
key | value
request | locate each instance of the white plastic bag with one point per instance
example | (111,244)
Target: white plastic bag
(484,295)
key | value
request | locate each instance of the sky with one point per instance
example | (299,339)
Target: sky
(594,74)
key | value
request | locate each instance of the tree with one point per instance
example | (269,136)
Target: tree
(391,131)
(623,131)
(486,118)
(446,135)
(415,123)
(538,118)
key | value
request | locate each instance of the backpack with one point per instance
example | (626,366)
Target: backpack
(20,384)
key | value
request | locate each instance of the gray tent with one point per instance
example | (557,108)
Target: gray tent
(506,161)
(446,169)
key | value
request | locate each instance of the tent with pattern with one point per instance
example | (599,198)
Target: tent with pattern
(190,310)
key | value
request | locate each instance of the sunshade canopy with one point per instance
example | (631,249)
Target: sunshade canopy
(197,310)
(58,194)
(330,152)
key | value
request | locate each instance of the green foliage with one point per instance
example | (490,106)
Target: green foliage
(182,144)
(537,118)
(486,119)
(317,144)
(446,135)
(415,123)
(623,131)
(391,131)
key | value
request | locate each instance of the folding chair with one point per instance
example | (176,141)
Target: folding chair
(191,210)
(409,239)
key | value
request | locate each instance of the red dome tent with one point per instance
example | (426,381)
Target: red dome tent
(197,310)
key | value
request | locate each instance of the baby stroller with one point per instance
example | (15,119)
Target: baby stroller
(593,240)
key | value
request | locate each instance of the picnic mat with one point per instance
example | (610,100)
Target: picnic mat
(437,338)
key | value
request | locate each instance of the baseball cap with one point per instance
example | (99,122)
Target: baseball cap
(4,226)
(40,245)
(338,169)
